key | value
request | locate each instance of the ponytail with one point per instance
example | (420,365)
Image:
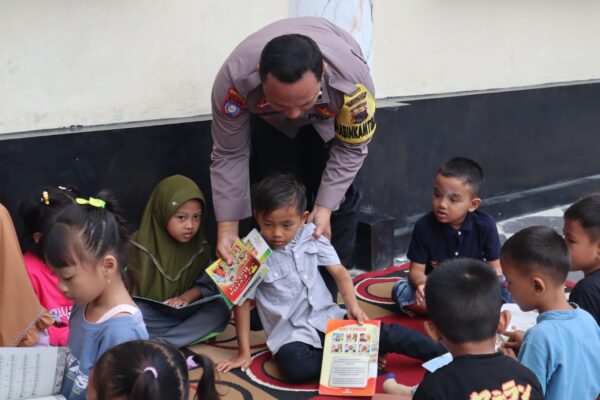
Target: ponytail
(207,388)
(147,386)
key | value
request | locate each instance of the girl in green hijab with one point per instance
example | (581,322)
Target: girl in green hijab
(169,255)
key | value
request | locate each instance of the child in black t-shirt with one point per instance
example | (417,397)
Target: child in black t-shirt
(581,231)
(465,310)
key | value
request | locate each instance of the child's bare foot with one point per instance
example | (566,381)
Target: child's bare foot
(391,386)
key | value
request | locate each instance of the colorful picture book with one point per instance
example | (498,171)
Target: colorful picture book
(236,281)
(350,358)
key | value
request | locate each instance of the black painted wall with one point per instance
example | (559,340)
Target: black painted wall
(538,148)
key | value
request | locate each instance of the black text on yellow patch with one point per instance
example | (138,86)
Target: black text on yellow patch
(355,123)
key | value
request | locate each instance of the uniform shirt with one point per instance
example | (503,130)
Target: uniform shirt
(88,341)
(586,294)
(433,241)
(562,350)
(292,300)
(485,376)
(344,113)
(45,286)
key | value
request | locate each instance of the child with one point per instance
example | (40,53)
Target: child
(86,247)
(146,370)
(169,255)
(37,212)
(582,233)
(292,301)
(465,301)
(562,349)
(454,228)
(23,320)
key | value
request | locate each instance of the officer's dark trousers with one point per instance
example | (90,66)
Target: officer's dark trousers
(300,362)
(306,156)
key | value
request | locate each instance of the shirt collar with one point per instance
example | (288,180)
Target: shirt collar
(466,226)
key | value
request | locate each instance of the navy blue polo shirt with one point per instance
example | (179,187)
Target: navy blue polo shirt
(433,242)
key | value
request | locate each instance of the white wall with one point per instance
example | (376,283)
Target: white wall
(91,62)
(440,46)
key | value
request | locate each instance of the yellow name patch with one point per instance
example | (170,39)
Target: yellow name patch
(355,123)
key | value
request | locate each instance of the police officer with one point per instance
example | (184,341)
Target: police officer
(296,96)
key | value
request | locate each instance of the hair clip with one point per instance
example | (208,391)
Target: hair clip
(153,370)
(45,198)
(92,201)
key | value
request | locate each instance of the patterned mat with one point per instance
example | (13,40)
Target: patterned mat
(263,380)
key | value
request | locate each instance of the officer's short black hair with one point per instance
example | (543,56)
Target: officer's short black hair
(586,211)
(465,169)
(278,191)
(538,249)
(464,300)
(288,57)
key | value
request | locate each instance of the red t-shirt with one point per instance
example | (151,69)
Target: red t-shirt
(45,285)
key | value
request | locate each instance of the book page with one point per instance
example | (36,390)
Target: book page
(31,372)
(349,371)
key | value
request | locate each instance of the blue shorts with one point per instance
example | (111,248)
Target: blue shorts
(403,294)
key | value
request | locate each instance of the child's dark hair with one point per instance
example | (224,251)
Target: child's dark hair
(128,371)
(99,230)
(278,191)
(538,248)
(465,169)
(38,210)
(464,300)
(587,212)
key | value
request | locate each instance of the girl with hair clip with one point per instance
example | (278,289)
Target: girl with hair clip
(169,256)
(146,370)
(37,212)
(86,247)
(23,320)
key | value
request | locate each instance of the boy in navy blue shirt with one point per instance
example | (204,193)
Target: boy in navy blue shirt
(454,228)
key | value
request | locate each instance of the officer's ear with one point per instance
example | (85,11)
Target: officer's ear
(258,67)
(324,69)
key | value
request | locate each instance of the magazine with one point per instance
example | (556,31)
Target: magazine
(180,312)
(32,372)
(350,354)
(236,281)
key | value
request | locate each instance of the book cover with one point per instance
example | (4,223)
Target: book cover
(350,358)
(235,281)
(181,312)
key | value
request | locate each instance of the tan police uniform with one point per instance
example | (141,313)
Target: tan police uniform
(344,112)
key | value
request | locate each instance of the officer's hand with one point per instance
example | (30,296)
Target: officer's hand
(227,234)
(321,217)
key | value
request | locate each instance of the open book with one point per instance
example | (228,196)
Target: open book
(181,312)
(32,372)
(235,281)
(350,352)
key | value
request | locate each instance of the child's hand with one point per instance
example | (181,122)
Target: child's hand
(420,294)
(176,302)
(242,361)
(358,314)
(508,352)
(515,339)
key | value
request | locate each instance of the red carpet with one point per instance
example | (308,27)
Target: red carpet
(262,380)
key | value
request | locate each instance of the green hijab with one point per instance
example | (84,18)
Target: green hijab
(165,267)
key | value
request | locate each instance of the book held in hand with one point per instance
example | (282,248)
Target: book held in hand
(236,281)
(350,354)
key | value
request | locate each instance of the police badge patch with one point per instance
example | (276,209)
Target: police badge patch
(234,103)
(355,123)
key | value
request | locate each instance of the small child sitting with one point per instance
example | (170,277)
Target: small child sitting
(146,370)
(454,228)
(465,302)
(562,349)
(582,233)
(37,212)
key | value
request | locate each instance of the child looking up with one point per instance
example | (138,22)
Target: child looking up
(147,370)
(37,212)
(292,301)
(170,254)
(86,247)
(562,349)
(465,302)
(454,228)
(582,233)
